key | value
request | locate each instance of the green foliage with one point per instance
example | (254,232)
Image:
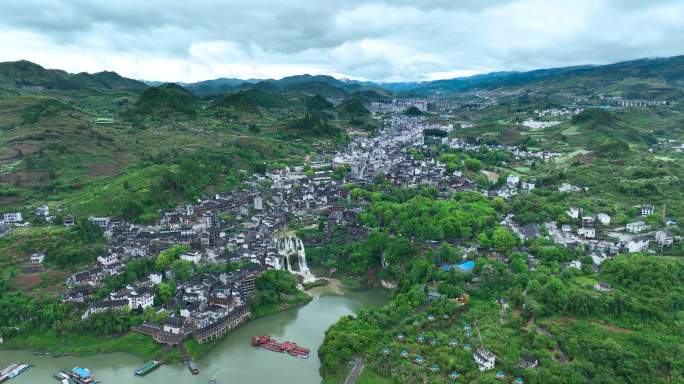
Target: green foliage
(64,248)
(611,149)
(594,117)
(273,283)
(167,257)
(434,132)
(164,293)
(164,102)
(182,269)
(352,106)
(250,100)
(473,165)
(44,109)
(430,219)
(318,103)
(413,111)
(312,124)
(276,290)
(503,240)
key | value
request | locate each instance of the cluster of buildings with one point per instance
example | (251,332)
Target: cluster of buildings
(595,233)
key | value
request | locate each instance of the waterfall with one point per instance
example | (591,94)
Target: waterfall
(288,246)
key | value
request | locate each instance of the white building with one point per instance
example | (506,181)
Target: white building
(603,218)
(156,278)
(193,257)
(484,359)
(647,209)
(12,217)
(105,305)
(258,203)
(664,239)
(637,246)
(102,222)
(512,180)
(42,211)
(174,325)
(573,212)
(141,299)
(37,258)
(588,233)
(638,226)
(107,259)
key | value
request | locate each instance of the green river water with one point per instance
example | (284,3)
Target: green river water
(234,360)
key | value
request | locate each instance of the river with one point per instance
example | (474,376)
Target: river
(232,361)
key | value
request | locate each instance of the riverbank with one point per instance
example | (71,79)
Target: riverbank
(229,357)
(47,341)
(83,345)
(299,299)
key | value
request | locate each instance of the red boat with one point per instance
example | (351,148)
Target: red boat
(266,342)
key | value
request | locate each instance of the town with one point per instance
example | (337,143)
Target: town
(251,227)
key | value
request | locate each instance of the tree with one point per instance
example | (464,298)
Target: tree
(167,257)
(181,269)
(503,240)
(164,293)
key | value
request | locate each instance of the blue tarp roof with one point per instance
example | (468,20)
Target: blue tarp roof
(82,372)
(465,266)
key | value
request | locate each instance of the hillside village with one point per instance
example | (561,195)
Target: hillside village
(245,226)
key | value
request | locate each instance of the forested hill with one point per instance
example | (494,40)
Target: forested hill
(25,75)
(662,77)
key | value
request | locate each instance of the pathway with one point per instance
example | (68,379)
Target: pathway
(356,371)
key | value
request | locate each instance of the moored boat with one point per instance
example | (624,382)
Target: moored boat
(266,342)
(18,370)
(4,374)
(147,368)
(192,367)
(81,375)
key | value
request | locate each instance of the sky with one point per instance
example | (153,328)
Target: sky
(397,40)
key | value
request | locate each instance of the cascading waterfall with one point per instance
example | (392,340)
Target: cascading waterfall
(288,246)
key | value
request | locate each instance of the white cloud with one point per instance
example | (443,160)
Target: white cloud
(379,40)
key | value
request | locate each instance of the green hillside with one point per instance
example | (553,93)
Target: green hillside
(103,144)
(660,78)
(318,103)
(250,100)
(353,107)
(30,76)
(164,102)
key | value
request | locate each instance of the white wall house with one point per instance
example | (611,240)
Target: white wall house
(193,257)
(638,226)
(484,359)
(102,222)
(12,217)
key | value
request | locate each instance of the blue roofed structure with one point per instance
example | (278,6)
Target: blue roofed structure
(466,266)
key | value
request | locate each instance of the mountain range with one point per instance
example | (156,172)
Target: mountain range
(664,75)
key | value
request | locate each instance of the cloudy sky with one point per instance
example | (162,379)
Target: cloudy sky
(386,40)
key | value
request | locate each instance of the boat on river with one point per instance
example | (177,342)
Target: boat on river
(81,376)
(13,370)
(4,374)
(192,367)
(147,368)
(269,343)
